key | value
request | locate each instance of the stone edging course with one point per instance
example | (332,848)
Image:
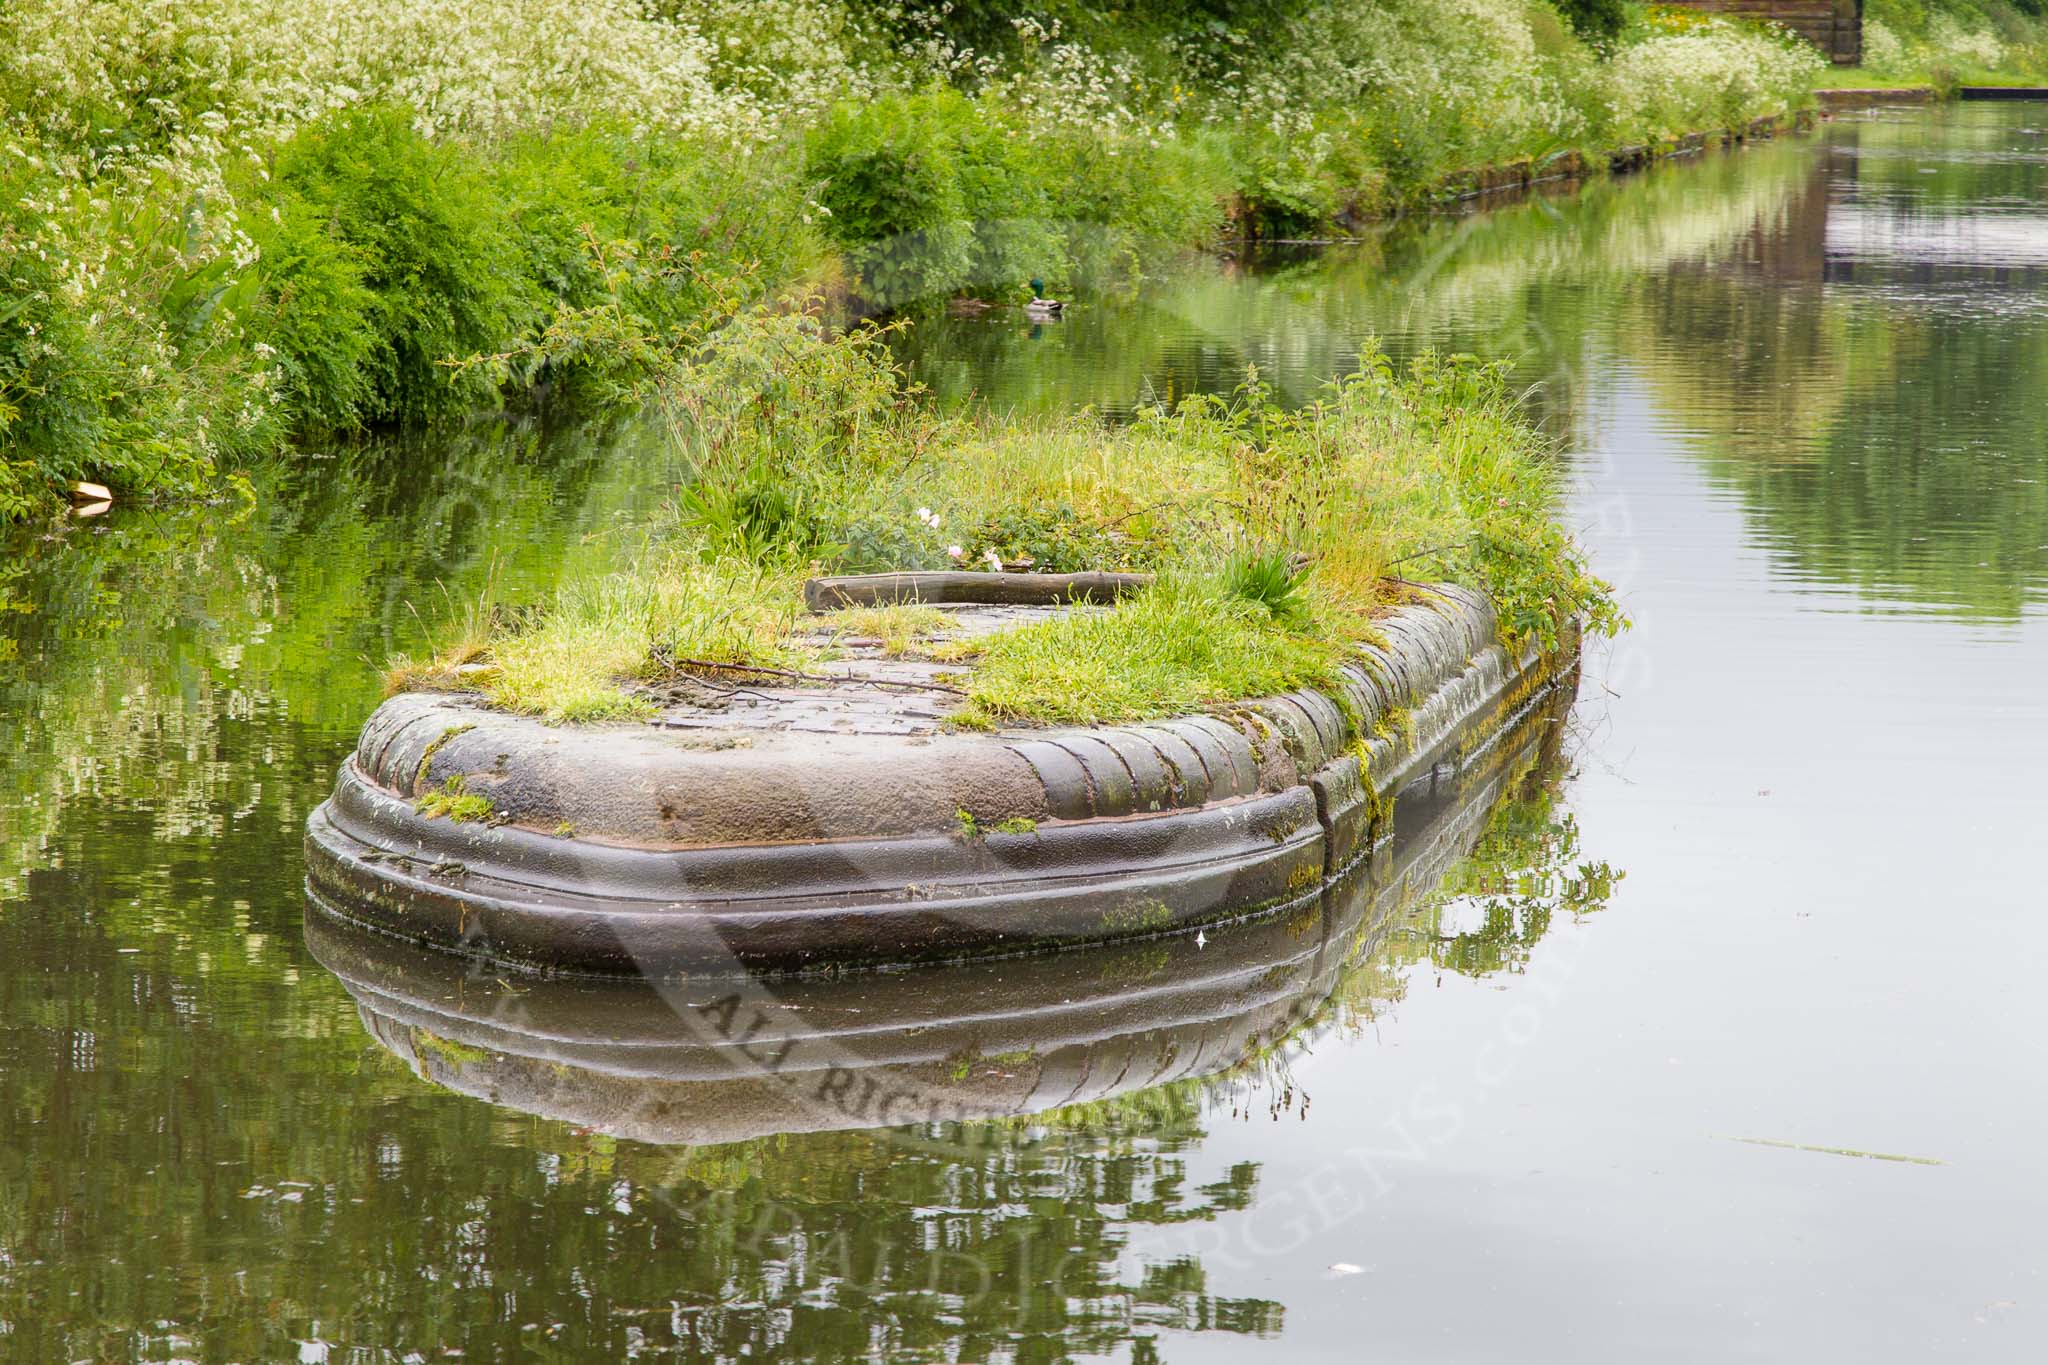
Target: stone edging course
(631,848)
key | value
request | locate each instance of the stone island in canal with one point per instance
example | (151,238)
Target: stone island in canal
(773,829)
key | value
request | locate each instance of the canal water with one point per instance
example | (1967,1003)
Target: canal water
(1704,1024)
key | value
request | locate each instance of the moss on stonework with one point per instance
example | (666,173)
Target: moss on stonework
(454,1053)
(456,802)
(419,777)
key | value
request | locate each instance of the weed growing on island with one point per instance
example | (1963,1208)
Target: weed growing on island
(1274,534)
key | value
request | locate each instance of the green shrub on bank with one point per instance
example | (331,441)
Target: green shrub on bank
(403,245)
(1600,20)
(122,355)
(888,174)
(936,193)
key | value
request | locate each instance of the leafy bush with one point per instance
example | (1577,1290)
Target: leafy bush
(1599,20)
(412,249)
(122,358)
(888,176)
(646,231)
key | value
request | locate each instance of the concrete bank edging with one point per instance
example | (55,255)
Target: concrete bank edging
(628,848)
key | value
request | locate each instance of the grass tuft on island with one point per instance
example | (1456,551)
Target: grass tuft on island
(1276,535)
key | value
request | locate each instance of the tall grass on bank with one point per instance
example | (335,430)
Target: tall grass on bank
(1272,533)
(1952,42)
(225,224)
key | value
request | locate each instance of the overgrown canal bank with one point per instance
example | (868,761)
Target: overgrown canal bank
(1786,382)
(235,227)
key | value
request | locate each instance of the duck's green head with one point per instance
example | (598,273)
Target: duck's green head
(1038,289)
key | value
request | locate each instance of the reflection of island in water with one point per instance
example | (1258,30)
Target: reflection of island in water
(781,1220)
(727,1058)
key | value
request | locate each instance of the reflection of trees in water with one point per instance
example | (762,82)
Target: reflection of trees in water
(1533,281)
(190,660)
(853,1245)
(1870,406)
(210,1130)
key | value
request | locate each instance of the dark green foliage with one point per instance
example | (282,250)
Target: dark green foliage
(107,370)
(938,193)
(391,256)
(1128,202)
(605,216)
(401,239)
(317,313)
(49,410)
(1594,20)
(1053,539)
(1270,580)
(888,173)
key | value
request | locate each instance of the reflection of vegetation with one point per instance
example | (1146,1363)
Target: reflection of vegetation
(1868,343)
(1524,872)
(999,1239)
(1844,327)
(135,659)
(1487,914)
(1534,281)
(248,1136)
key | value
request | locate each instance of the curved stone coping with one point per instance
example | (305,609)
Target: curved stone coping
(630,848)
(723,1058)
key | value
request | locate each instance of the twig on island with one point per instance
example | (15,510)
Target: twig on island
(1423,554)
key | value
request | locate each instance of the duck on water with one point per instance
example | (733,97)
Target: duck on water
(1042,307)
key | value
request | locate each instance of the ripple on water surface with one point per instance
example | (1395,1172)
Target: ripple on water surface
(1610,1088)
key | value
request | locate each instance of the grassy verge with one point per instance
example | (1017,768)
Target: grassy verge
(1274,534)
(230,223)
(1947,43)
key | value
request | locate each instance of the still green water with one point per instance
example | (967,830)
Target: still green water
(1596,1063)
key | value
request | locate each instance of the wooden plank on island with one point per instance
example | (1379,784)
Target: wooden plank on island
(945,586)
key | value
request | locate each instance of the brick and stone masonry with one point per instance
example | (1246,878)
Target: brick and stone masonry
(1833,26)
